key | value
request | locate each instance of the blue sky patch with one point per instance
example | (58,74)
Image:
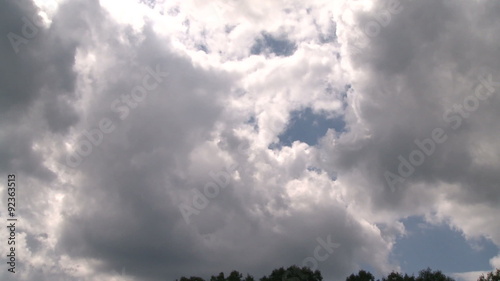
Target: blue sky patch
(308,127)
(270,44)
(440,247)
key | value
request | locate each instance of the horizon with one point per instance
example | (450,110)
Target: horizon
(153,139)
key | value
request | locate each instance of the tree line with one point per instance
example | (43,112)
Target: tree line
(295,273)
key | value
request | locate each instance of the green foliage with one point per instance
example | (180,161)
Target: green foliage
(361,276)
(396,276)
(249,278)
(429,275)
(219,277)
(192,278)
(276,275)
(491,276)
(233,276)
(293,273)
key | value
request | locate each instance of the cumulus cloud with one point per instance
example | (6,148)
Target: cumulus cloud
(142,132)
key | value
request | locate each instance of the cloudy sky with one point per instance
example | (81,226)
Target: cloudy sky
(157,139)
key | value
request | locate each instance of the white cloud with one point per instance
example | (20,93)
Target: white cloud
(119,208)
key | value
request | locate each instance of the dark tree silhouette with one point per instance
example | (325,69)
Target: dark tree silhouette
(233,276)
(396,276)
(276,275)
(429,275)
(249,278)
(293,273)
(361,276)
(491,276)
(192,278)
(219,277)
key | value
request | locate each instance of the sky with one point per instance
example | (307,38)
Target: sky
(157,139)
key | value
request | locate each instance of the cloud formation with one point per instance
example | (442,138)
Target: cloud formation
(114,115)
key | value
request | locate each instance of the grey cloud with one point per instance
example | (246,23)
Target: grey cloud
(121,205)
(420,64)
